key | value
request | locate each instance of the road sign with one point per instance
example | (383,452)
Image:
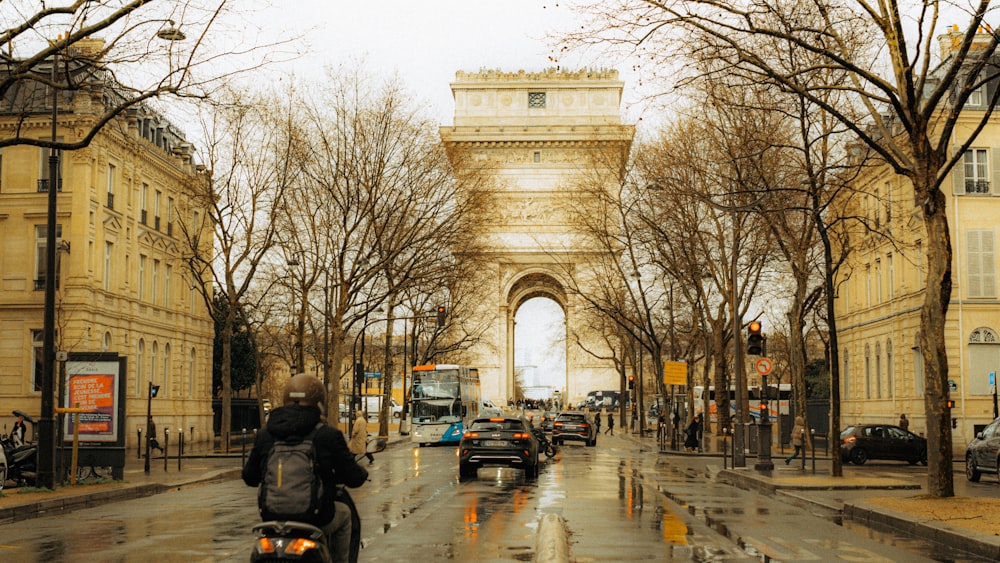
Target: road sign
(373,375)
(675,373)
(763,366)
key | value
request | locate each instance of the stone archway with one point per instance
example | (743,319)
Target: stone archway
(535,137)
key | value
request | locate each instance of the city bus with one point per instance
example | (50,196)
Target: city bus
(778,400)
(443,399)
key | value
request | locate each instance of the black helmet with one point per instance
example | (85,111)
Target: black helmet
(306,390)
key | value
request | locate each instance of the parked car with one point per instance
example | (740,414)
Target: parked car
(862,442)
(548,418)
(489,408)
(983,453)
(574,425)
(499,440)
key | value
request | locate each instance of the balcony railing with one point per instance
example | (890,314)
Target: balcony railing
(156,223)
(977,186)
(170,229)
(43,185)
(40,284)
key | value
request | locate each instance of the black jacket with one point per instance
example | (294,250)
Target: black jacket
(336,462)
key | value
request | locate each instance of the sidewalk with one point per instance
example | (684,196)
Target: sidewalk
(962,523)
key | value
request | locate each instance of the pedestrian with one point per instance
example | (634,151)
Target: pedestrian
(611,423)
(597,420)
(904,422)
(798,439)
(300,416)
(359,438)
(153,442)
(692,434)
(19,431)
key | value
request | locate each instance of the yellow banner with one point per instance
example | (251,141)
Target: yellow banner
(675,373)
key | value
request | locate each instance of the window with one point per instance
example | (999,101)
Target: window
(143,196)
(108,248)
(41,237)
(152,364)
(976,97)
(154,285)
(142,276)
(190,370)
(43,171)
(169,273)
(878,370)
(868,286)
(878,280)
(156,210)
(170,216)
(37,342)
(889,262)
(538,156)
(918,367)
(536,99)
(976,172)
(846,375)
(981,264)
(106,344)
(165,387)
(111,186)
(888,203)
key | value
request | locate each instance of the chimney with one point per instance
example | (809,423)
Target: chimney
(950,42)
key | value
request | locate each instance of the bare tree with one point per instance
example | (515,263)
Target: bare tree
(913,100)
(253,152)
(102,58)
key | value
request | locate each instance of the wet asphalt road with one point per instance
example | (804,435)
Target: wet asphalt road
(620,503)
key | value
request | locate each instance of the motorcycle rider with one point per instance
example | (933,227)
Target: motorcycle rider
(304,403)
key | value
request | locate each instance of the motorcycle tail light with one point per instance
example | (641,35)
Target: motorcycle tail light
(265,545)
(300,546)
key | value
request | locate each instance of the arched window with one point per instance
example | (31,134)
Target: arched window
(878,370)
(190,374)
(889,369)
(152,363)
(868,372)
(106,344)
(846,375)
(984,358)
(166,369)
(138,367)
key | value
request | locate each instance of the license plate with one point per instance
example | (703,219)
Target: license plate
(495,443)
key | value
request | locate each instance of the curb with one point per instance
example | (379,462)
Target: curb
(551,545)
(979,544)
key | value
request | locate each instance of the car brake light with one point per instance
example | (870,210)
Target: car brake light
(521,436)
(850,440)
(497,419)
(556,424)
(471,434)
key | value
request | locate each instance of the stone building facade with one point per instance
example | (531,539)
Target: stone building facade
(124,203)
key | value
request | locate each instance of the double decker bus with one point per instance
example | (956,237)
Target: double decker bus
(443,399)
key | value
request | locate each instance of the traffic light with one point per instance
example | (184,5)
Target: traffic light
(950,404)
(359,374)
(440,315)
(755,340)
(631,382)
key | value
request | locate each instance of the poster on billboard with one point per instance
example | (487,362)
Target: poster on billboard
(93,386)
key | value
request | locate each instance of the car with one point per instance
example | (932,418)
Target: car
(861,442)
(548,418)
(982,455)
(574,425)
(498,440)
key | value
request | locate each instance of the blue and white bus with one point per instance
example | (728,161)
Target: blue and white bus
(443,399)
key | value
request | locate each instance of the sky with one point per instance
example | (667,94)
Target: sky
(426,42)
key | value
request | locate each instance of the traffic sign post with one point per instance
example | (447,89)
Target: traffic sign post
(764,463)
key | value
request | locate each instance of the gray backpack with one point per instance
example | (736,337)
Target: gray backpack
(291,488)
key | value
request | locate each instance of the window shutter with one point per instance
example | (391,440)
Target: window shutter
(994,171)
(989,269)
(974,264)
(958,176)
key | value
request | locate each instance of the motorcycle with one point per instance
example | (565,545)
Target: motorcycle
(305,543)
(544,444)
(18,461)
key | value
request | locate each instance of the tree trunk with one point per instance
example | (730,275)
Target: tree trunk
(940,481)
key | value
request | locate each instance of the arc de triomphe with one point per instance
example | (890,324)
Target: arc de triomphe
(539,137)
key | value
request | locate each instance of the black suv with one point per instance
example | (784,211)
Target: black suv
(574,425)
(498,441)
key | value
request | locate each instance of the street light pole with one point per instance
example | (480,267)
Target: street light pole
(739,455)
(46,423)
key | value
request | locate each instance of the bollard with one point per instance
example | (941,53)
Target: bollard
(243,447)
(725,448)
(812,432)
(138,443)
(180,447)
(166,448)
(805,453)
